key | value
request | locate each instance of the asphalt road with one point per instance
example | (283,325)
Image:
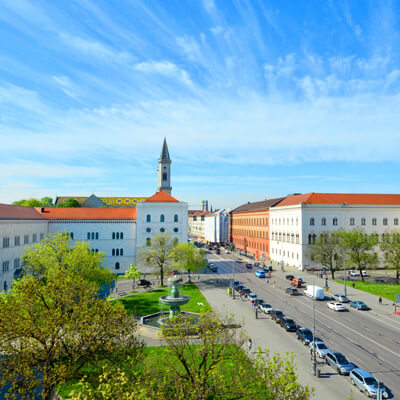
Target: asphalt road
(369,340)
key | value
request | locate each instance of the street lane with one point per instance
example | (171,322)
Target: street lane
(368,340)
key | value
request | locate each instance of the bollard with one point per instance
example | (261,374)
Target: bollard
(318,372)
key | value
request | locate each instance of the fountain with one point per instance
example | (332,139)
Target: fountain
(174,300)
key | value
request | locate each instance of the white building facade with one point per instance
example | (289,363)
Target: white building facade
(216,226)
(297,221)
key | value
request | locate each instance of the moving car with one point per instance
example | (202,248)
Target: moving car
(265,308)
(288,324)
(321,350)
(353,273)
(249,266)
(289,277)
(305,335)
(239,260)
(213,267)
(144,282)
(367,383)
(315,292)
(292,291)
(296,282)
(341,297)
(277,315)
(260,273)
(358,305)
(336,306)
(339,362)
(236,283)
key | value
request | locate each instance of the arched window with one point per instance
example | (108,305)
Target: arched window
(362,221)
(121,235)
(373,221)
(351,221)
(121,252)
(148,230)
(176,218)
(113,235)
(312,221)
(162,218)
(117,252)
(164,176)
(97,235)
(97,250)
(92,235)
(162,230)
(148,242)
(88,235)
(113,252)
(396,221)
(71,235)
(310,239)
(323,221)
(335,221)
(384,221)
(148,218)
(176,230)
(117,265)
(117,235)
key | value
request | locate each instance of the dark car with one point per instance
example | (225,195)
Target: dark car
(246,291)
(288,324)
(305,335)
(339,362)
(236,283)
(249,266)
(292,291)
(277,315)
(289,277)
(239,288)
(144,282)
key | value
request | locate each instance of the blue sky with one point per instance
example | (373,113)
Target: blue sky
(257,98)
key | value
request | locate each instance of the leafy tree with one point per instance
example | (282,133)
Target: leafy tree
(360,249)
(55,252)
(326,250)
(159,255)
(390,246)
(216,367)
(70,203)
(133,273)
(52,322)
(44,202)
(188,257)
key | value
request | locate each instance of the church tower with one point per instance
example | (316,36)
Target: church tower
(164,170)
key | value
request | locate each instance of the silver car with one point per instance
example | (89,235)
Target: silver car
(339,362)
(367,383)
(320,349)
(341,297)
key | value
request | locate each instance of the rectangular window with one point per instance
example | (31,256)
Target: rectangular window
(34,238)
(6,242)
(41,236)
(396,221)
(385,221)
(351,221)
(17,240)
(6,266)
(363,221)
(26,239)
(335,221)
(373,221)
(16,263)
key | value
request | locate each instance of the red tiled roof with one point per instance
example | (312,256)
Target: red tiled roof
(193,212)
(88,213)
(161,197)
(339,198)
(8,211)
(258,205)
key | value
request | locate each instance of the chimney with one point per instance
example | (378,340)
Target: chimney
(42,209)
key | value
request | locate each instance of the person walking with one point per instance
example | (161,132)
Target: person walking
(354,285)
(380,300)
(273,285)
(250,343)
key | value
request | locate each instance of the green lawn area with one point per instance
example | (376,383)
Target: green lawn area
(148,302)
(384,290)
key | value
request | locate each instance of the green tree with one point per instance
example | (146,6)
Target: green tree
(47,202)
(326,250)
(360,249)
(133,273)
(390,246)
(70,203)
(188,257)
(159,255)
(52,322)
(44,202)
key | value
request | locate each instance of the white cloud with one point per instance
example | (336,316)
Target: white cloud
(209,5)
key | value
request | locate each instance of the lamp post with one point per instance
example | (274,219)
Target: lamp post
(314,355)
(344,264)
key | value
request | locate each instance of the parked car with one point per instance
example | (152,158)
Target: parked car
(236,283)
(227,251)
(353,273)
(339,362)
(341,297)
(289,277)
(336,306)
(249,266)
(359,305)
(253,296)
(305,335)
(246,291)
(292,291)
(367,383)
(288,324)
(239,260)
(218,251)
(276,315)
(364,273)
(265,308)
(321,350)
(214,268)
(260,273)
(144,282)
(239,288)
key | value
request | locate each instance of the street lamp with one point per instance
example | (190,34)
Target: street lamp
(344,264)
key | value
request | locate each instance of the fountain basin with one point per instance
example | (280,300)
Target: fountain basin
(157,320)
(178,301)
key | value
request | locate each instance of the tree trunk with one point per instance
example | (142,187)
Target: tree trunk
(397,276)
(162,276)
(362,275)
(333,273)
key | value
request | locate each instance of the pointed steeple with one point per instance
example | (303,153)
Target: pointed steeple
(164,152)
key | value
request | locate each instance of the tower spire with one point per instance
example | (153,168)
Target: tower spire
(164,169)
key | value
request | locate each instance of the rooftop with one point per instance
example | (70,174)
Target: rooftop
(87,213)
(161,197)
(258,205)
(8,211)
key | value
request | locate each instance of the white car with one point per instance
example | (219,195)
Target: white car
(336,306)
(320,349)
(353,273)
(364,273)
(226,251)
(266,308)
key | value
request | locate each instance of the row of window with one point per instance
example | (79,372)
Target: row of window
(162,218)
(202,218)
(352,221)
(118,235)
(284,221)
(251,233)
(251,221)
(6,265)
(246,244)
(148,241)
(285,253)
(286,237)
(117,252)
(17,240)
(148,230)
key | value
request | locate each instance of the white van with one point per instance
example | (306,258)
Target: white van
(315,292)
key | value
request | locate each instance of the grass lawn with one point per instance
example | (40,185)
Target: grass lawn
(384,290)
(148,302)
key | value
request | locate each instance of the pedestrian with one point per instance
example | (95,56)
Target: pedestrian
(198,277)
(273,285)
(252,302)
(311,353)
(354,285)
(250,343)
(380,300)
